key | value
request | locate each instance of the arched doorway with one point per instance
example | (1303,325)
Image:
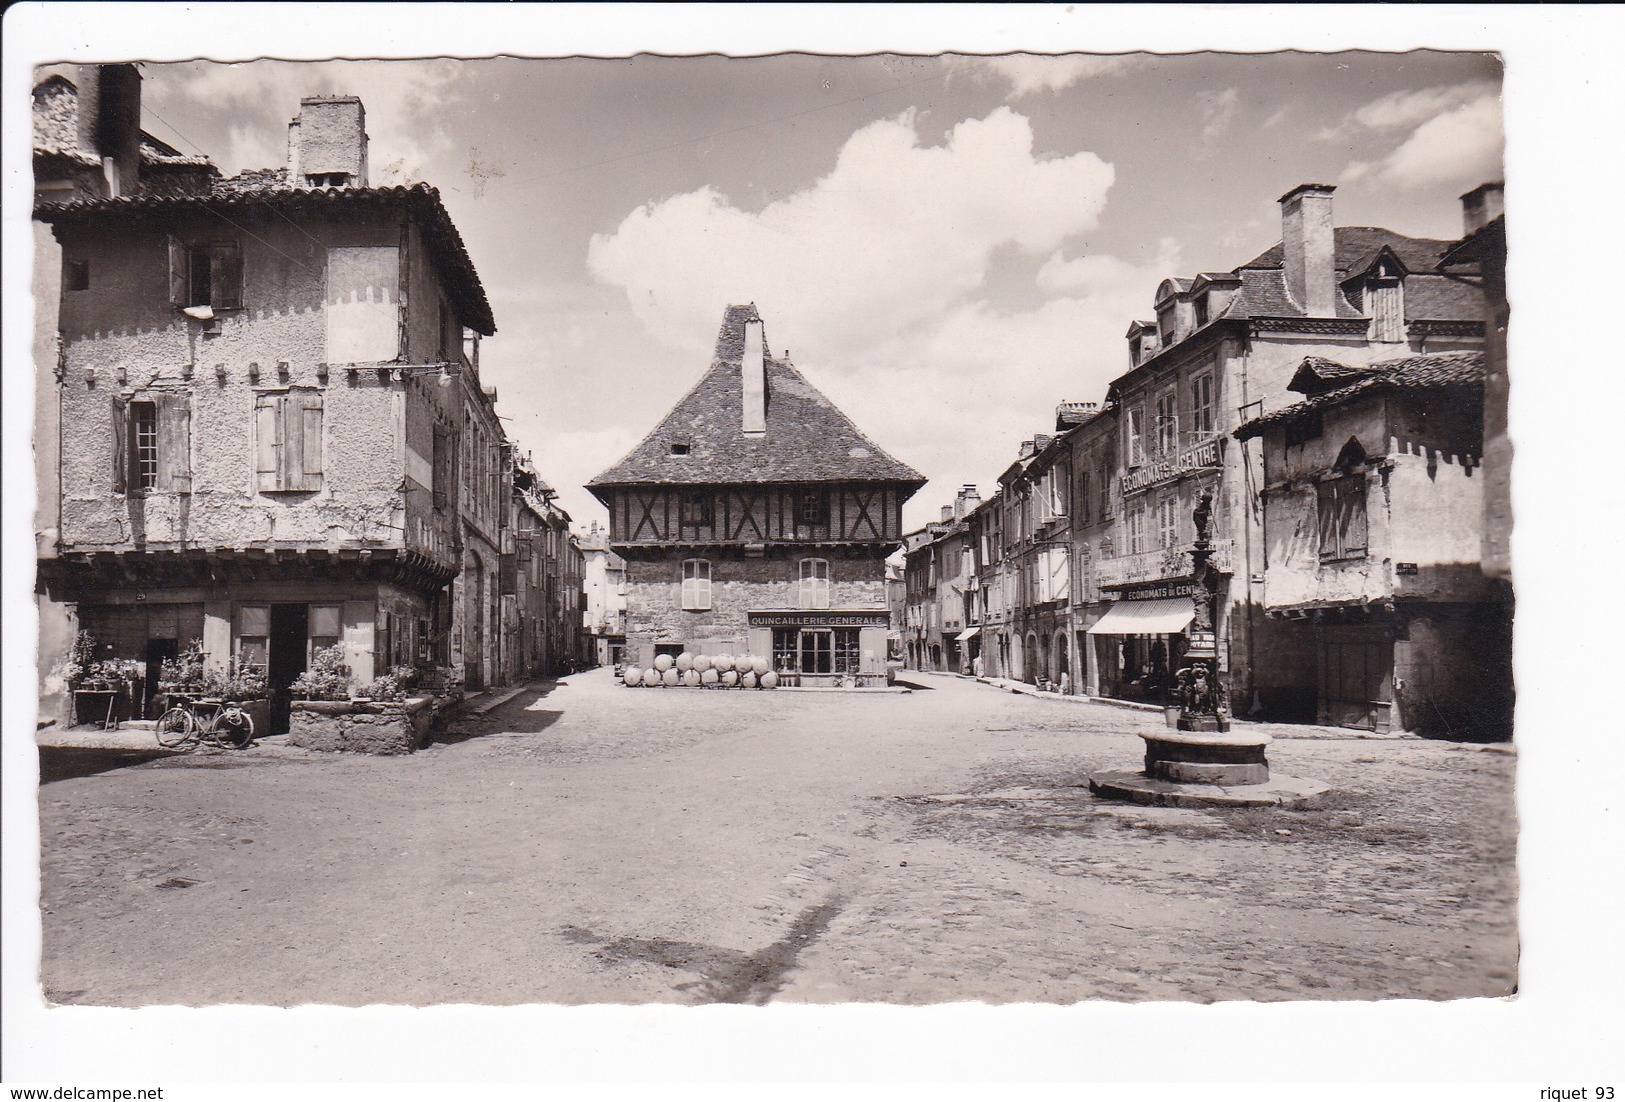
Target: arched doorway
(1030,666)
(474,623)
(1060,660)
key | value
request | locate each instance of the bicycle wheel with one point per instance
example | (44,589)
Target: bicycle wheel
(174,728)
(234,728)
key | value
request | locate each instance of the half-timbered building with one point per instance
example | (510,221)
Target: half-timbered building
(756,519)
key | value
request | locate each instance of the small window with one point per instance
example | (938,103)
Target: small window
(812,509)
(288,440)
(814,591)
(679,447)
(696,510)
(1202,405)
(253,635)
(76,275)
(1136,436)
(144,444)
(696,585)
(1201,311)
(206,274)
(1342,517)
(1086,500)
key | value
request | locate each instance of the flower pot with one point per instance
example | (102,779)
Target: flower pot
(1170,712)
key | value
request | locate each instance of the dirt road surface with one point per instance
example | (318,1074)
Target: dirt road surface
(587,843)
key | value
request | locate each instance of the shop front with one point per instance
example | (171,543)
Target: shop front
(1140,642)
(826,647)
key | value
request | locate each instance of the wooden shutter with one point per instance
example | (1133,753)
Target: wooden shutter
(268,441)
(178,281)
(175,443)
(1352,516)
(225,275)
(305,459)
(119,432)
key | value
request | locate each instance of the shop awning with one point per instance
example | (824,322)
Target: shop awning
(1164,616)
(968,633)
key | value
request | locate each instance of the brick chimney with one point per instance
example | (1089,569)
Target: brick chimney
(1481,206)
(753,381)
(1308,253)
(967,499)
(327,143)
(109,123)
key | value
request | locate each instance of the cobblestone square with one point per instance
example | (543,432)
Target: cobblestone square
(589,843)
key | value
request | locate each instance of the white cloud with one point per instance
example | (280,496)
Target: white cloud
(1463,144)
(1218,112)
(873,277)
(1398,110)
(894,235)
(1030,73)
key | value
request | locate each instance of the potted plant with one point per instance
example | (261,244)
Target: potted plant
(327,679)
(182,676)
(81,657)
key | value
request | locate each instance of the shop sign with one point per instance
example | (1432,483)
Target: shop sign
(819,619)
(1198,457)
(1157,592)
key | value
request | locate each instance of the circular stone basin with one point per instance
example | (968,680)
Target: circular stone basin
(1279,791)
(1207,757)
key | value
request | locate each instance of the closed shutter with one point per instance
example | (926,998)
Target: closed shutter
(175,443)
(1352,518)
(119,432)
(225,275)
(305,456)
(177,272)
(267,441)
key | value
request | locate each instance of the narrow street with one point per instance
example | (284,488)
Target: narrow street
(587,843)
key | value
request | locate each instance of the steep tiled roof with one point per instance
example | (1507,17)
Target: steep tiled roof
(1263,294)
(1431,297)
(807,438)
(1429,371)
(1317,375)
(417,200)
(1352,244)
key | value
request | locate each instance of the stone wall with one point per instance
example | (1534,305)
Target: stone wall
(738,584)
(374,728)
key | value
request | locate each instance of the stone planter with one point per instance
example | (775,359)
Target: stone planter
(361,727)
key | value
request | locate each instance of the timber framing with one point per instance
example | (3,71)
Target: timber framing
(72,575)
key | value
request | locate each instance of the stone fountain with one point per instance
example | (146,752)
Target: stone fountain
(1202,763)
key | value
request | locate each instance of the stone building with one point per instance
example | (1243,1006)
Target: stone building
(1092,448)
(604,582)
(1222,350)
(543,575)
(939,585)
(756,518)
(258,428)
(1372,519)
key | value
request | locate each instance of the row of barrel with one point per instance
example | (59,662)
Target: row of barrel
(712,671)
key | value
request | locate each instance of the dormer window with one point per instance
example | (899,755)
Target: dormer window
(1386,300)
(1201,312)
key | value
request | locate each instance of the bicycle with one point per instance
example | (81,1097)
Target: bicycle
(227,725)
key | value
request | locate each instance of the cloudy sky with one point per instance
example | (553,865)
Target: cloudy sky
(948,246)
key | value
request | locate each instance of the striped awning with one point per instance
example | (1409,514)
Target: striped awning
(1164,616)
(968,633)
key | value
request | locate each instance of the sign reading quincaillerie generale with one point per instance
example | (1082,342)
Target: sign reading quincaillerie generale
(831,619)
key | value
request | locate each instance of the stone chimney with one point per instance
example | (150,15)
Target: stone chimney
(327,143)
(1308,252)
(967,499)
(1481,206)
(947,514)
(753,381)
(109,123)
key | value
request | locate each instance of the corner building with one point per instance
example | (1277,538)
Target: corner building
(756,519)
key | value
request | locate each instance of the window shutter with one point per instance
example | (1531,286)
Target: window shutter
(1354,516)
(310,437)
(119,428)
(226,275)
(175,443)
(177,272)
(267,441)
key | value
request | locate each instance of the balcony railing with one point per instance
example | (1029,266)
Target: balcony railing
(1162,466)
(1161,564)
